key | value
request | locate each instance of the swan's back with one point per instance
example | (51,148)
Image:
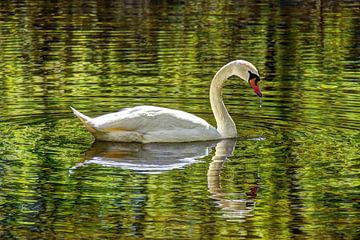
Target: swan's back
(151,124)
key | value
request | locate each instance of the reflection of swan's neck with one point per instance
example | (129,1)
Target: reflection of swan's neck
(223,150)
(235,209)
(225,124)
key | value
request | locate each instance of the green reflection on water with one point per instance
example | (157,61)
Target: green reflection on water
(101,57)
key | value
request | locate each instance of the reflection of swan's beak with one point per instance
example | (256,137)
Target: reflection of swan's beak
(255,86)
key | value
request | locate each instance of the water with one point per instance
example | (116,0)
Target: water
(293,173)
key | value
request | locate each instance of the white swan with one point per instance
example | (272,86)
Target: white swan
(156,124)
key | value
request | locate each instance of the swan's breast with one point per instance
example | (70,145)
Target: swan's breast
(182,135)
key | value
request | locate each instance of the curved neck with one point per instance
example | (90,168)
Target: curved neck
(225,125)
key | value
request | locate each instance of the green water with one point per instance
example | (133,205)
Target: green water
(293,173)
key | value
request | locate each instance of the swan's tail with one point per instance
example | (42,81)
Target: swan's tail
(84,119)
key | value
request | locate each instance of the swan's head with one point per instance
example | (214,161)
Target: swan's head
(248,72)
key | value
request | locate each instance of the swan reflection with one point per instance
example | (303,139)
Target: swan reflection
(148,158)
(235,206)
(155,158)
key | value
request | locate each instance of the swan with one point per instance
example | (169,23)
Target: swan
(147,124)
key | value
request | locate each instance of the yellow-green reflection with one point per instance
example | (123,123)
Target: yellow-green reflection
(302,159)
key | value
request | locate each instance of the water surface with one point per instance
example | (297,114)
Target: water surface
(293,173)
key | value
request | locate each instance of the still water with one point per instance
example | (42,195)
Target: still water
(293,173)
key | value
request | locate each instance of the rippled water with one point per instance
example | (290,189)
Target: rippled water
(293,173)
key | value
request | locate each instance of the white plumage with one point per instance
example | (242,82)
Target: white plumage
(149,123)
(156,124)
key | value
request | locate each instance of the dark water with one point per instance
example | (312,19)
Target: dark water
(293,173)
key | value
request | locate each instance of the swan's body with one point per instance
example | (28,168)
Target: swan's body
(156,124)
(150,124)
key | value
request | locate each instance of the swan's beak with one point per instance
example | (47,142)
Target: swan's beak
(255,86)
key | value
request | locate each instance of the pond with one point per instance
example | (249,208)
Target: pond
(293,172)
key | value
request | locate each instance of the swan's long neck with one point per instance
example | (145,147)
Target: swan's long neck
(225,124)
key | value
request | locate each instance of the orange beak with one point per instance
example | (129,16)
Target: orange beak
(255,87)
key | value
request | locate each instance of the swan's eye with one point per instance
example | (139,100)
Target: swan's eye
(257,79)
(254,76)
